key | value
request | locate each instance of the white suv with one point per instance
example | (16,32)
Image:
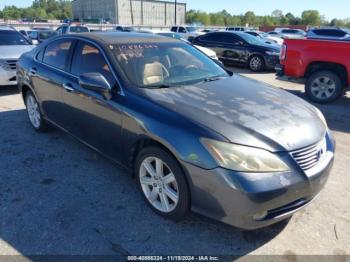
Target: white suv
(12,45)
(186,31)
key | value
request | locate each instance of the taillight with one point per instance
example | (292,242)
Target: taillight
(283,52)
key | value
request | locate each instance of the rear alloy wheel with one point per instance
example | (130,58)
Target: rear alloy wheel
(323,87)
(162,183)
(256,63)
(34,114)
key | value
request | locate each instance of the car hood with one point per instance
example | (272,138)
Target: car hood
(14,51)
(246,112)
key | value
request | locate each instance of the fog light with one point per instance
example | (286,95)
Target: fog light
(260,216)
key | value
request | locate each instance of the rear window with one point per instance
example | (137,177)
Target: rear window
(330,32)
(79,29)
(56,53)
(290,31)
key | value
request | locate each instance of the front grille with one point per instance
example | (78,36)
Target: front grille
(11,64)
(308,157)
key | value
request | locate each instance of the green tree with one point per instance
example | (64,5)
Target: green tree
(249,18)
(311,17)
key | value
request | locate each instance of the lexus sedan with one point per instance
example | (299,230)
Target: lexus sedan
(196,137)
(242,49)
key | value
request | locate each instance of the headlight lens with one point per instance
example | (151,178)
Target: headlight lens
(244,158)
(273,53)
(321,116)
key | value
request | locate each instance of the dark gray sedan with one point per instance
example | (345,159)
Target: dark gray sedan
(194,135)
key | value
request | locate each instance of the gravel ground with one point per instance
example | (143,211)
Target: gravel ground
(59,197)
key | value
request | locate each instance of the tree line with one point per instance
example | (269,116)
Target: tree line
(223,18)
(40,9)
(62,9)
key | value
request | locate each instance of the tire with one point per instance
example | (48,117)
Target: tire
(34,113)
(256,63)
(323,87)
(156,189)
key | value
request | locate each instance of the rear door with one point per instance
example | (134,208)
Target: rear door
(91,117)
(47,72)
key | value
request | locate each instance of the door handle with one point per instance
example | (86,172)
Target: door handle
(68,87)
(33,71)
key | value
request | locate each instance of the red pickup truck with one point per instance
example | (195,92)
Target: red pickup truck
(324,64)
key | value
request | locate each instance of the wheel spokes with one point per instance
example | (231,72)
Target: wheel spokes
(164,202)
(149,168)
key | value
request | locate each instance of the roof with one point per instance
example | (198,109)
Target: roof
(112,38)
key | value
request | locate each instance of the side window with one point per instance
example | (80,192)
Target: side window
(88,59)
(210,37)
(56,53)
(182,30)
(174,29)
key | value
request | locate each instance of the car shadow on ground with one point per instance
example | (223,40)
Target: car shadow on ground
(8,90)
(59,197)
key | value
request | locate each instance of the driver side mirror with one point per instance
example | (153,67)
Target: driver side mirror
(96,82)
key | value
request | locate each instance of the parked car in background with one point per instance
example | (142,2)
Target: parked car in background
(72,28)
(237,28)
(274,34)
(186,32)
(12,45)
(325,65)
(122,28)
(242,49)
(328,33)
(194,135)
(292,33)
(206,51)
(40,36)
(266,37)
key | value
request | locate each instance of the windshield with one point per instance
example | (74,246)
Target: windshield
(79,29)
(47,35)
(252,39)
(191,29)
(12,38)
(165,64)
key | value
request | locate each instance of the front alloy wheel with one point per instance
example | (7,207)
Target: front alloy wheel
(162,182)
(159,184)
(256,63)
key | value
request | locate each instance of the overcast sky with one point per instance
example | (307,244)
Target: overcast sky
(330,8)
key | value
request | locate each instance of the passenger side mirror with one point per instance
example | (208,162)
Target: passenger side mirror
(96,82)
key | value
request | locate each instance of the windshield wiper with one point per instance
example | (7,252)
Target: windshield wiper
(158,86)
(214,78)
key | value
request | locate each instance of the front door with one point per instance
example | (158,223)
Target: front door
(92,118)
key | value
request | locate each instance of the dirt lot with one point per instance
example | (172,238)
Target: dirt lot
(59,197)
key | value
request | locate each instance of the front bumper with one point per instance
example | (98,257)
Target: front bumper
(271,61)
(236,198)
(7,77)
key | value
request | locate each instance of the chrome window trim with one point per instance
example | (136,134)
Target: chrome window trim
(120,91)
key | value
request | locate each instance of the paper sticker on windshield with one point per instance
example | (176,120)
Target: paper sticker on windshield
(136,50)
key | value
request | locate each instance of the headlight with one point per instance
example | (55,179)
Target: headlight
(243,158)
(273,53)
(321,116)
